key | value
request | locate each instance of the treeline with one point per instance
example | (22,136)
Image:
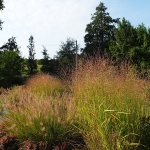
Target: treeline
(108,38)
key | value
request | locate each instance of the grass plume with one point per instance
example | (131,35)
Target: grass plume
(106,105)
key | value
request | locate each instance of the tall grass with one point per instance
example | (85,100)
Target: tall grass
(110,104)
(47,118)
(44,84)
(107,106)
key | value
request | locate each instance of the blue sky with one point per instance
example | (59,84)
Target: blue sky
(53,21)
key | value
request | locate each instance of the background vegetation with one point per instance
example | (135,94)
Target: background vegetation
(105,37)
(97,99)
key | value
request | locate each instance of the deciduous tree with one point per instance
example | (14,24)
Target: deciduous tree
(11,64)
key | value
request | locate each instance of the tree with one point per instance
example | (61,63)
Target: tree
(141,53)
(67,52)
(1,8)
(11,45)
(11,65)
(131,44)
(45,61)
(31,64)
(99,31)
(125,40)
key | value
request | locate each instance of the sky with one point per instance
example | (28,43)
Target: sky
(51,22)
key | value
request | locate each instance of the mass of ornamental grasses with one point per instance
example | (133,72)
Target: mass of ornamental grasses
(103,107)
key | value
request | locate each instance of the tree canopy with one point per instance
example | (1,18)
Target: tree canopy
(10,45)
(67,52)
(11,63)
(104,36)
(131,44)
(45,61)
(99,31)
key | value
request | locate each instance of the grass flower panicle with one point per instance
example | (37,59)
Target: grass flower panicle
(102,107)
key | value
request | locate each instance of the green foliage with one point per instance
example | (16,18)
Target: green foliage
(1,8)
(45,62)
(11,63)
(50,66)
(31,64)
(11,66)
(99,31)
(131,44)
(103,109)
(2,5)
(11,45)
(66,53)
(40,117)
(143,45)
(125,40)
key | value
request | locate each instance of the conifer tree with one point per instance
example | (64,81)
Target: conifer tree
(45,61)
(131,44)
(67,52)
(125,40)
(31,64)
(99,31)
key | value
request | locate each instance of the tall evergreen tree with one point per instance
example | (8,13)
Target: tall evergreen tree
(45,61)
(99,31)
(141,53)
(31,64)
(125,40)
(67,52)
(131,44)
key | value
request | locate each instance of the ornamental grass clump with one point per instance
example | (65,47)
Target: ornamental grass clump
(110,103)
(104,107)
(44,84)
(35,118)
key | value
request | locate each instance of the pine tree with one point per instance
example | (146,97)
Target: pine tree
(131,44)
(125,40)
(99,31)
(31,64)
(45,61)
(67,52)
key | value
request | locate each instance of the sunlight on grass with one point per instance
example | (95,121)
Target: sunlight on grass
(33,118)
(110,105)
(44,84)
(105,107)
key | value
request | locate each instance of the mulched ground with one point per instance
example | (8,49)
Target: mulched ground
(8,143)
(11,143)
